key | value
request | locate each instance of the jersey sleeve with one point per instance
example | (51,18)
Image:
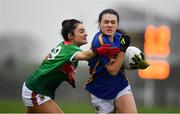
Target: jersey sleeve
(69,52)
(72,57)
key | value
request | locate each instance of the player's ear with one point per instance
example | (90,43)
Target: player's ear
(70,36)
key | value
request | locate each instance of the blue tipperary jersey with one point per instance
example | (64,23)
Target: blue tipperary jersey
(103,84)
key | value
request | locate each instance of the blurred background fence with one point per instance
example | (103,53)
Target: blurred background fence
(29,29)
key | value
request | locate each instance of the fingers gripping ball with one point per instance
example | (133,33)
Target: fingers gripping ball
(138,62)
(134,59)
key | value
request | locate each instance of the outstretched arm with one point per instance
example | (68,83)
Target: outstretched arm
(85,55)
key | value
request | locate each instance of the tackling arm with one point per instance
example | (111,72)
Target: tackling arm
(104,50)
(85,55)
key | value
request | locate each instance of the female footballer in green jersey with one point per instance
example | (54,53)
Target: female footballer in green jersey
(38,91)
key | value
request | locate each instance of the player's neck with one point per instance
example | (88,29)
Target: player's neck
(111,38)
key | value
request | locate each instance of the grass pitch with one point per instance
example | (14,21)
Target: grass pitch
(16,106)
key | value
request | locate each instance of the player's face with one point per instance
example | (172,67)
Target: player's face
(80,35)
(109,24)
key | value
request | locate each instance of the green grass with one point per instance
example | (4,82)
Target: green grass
(159,109)
(10,106)
(76,107)
(16,106)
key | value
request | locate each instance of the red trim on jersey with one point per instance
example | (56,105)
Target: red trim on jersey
(33,98)
(67,42)
(69,70)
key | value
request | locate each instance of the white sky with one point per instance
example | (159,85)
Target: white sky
(42,18)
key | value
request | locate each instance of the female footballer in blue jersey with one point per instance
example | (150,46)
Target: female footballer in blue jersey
(38,91)
(108,85)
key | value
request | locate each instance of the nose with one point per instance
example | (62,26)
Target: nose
(109,24)
(85,34)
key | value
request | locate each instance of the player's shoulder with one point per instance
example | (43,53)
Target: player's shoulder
(72,47)
(99,39)
(97,36)
(95,41)
(68,47)
(118,35)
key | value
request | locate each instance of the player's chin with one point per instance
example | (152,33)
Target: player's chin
(109,33)
(83,42)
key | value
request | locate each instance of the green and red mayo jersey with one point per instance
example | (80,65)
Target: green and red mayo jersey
(57,68)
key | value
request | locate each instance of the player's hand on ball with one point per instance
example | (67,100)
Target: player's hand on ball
(124,42)
(139,63)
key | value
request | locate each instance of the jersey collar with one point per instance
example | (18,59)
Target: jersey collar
(67,42)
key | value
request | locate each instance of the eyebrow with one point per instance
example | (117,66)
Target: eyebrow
(110,20)
(81,29)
